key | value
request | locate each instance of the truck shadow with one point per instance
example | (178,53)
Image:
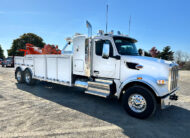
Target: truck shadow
(171,122)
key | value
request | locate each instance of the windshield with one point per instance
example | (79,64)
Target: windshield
(125,46)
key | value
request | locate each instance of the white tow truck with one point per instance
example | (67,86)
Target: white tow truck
(106,65)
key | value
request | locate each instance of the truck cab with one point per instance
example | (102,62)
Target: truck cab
(107,65)
(115,59)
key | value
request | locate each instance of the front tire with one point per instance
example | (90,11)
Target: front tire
(139,102)
(28,77)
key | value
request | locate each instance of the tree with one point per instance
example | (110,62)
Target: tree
(178,56)
(143,53)
(147,54)
(186,57)
(154,52)
(140,51)
(187,66)
(167,53)
(1,53)
(20,43)
(183,59)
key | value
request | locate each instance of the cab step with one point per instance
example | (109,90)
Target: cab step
(105,95)
(99,90)
(104,81)
(99,87)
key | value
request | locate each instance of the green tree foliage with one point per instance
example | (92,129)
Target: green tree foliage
(166,54)
(1,53)
(20,43)
(140,51)
(147,54)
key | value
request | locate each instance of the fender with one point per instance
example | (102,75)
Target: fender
(147,80)
(21,67)
(18,68)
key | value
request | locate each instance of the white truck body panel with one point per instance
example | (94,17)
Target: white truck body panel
(81,56)
(28,61)
(19,60)
(54,68)
(40,66)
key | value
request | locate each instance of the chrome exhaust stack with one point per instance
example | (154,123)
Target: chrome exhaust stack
(89,26)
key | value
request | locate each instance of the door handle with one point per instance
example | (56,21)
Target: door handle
(95,71)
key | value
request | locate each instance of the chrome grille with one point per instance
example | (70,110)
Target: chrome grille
(173,78)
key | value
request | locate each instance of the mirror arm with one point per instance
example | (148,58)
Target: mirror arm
(118,57)
(105,57)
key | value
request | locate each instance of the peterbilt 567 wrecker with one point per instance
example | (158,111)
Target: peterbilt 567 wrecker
(106,65)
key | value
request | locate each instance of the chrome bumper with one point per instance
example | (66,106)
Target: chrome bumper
(168,100)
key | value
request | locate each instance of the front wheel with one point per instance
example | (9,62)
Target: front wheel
(139,102)
(28,77)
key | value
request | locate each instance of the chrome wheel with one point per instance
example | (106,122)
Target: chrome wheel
(18,76)
(27,77)
(137,103)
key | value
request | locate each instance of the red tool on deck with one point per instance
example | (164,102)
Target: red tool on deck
(48,49)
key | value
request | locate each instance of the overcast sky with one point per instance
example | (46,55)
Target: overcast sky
(153,22)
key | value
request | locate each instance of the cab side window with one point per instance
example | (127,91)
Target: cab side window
(99,47)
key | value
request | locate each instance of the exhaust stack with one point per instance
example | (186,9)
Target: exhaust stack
(89,26)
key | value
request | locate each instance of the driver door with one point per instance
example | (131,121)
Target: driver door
(104,67)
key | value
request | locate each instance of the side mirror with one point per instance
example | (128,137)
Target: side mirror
(106,51)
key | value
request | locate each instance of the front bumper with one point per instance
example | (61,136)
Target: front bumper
(167,100)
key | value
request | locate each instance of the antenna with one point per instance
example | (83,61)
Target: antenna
(129,25)
(106,18)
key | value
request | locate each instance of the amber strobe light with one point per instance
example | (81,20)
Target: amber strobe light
(161,82)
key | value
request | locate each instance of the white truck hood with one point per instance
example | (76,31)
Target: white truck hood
(151,66)
(149,59)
